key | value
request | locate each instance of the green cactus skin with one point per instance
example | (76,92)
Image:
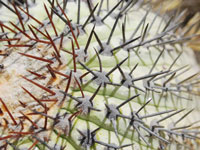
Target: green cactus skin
(96,75)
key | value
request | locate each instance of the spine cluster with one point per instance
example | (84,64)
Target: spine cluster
(93,75)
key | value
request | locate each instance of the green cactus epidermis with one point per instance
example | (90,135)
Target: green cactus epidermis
(145,57)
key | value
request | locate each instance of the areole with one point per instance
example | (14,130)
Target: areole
(105,74)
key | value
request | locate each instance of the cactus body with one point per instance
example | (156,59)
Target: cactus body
(95,75)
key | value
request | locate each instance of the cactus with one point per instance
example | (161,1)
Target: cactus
(83,74)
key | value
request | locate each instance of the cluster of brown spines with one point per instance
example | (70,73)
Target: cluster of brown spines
(63,123)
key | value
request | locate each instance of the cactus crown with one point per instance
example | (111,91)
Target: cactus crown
(81,74)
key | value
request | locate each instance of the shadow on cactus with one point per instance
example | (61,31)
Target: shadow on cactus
(95,75)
